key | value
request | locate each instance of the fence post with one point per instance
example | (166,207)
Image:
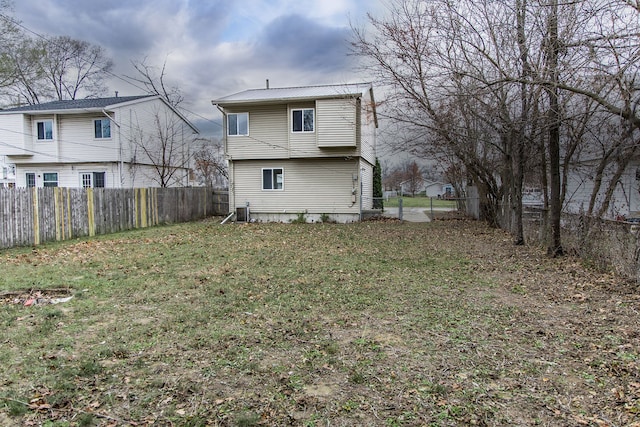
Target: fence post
(400,208)
(431,203)
(36,216)
(91,214)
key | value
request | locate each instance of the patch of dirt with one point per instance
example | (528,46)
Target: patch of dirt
(30,297)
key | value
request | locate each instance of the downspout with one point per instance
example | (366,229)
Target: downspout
(361,186)
(120,166)
(227,218)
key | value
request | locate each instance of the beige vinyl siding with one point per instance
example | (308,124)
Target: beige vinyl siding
(366,173)
(75,148)
(312,186)
(268,138)
(78,143)
(336,123)
(45,150)
(68,175)
(17,137)
(302,144)
(368,130)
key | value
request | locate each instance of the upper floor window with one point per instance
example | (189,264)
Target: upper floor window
(102,128)
(238,124)
(50,179)
(45,130)
(303,120)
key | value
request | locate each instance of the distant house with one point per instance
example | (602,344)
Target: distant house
(106,142)
(300,152)
(7,173)
(438,189)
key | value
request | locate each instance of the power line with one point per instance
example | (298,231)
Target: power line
(49,40)
(138,129)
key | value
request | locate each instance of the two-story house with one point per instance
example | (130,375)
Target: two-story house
(300,152)
(116,142)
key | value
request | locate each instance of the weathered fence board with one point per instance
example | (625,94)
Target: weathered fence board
(30,216)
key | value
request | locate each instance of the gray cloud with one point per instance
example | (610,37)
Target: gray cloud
(304,44)
(212,47)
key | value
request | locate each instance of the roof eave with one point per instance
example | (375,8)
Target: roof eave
(285,100)
(57,111)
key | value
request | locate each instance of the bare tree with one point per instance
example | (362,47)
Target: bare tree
(154,81)
(167,149)
(494,87)
(57,68)
(210,164)
(74,68)
(412,177)
(436,62)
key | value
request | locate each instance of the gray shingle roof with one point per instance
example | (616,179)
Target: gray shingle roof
(75,104)
(293,93)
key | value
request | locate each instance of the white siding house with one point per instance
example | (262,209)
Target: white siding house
(104,142)
(300,151)
(625,195)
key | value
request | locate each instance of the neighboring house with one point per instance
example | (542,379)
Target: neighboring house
(7,173)
(106,142)
(438,189)
(300,151)
(625,197)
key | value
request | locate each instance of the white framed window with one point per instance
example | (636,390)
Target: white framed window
(102,128)
(30,179)
(50,179)
(303,120)
(44,130)
(238,124)
(273,179)
(92,179)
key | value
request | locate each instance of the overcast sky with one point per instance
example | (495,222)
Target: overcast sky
(213,48)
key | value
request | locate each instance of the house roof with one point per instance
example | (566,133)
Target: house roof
(75,104)
(90,105)
(272,95)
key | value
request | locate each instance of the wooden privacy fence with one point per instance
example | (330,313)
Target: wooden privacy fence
(30,216)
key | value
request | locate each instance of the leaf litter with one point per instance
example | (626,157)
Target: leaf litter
(378,323)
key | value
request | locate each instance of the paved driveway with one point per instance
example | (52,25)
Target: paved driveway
(409,214)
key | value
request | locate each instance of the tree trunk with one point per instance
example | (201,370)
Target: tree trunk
(555,246)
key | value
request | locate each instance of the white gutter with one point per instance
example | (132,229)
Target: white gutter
(120,161)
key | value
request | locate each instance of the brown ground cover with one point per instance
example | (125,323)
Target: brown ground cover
(379,323)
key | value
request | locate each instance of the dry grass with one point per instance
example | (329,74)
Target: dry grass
(376,323)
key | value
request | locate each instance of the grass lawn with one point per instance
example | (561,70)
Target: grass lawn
(371,324)
(420,202)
